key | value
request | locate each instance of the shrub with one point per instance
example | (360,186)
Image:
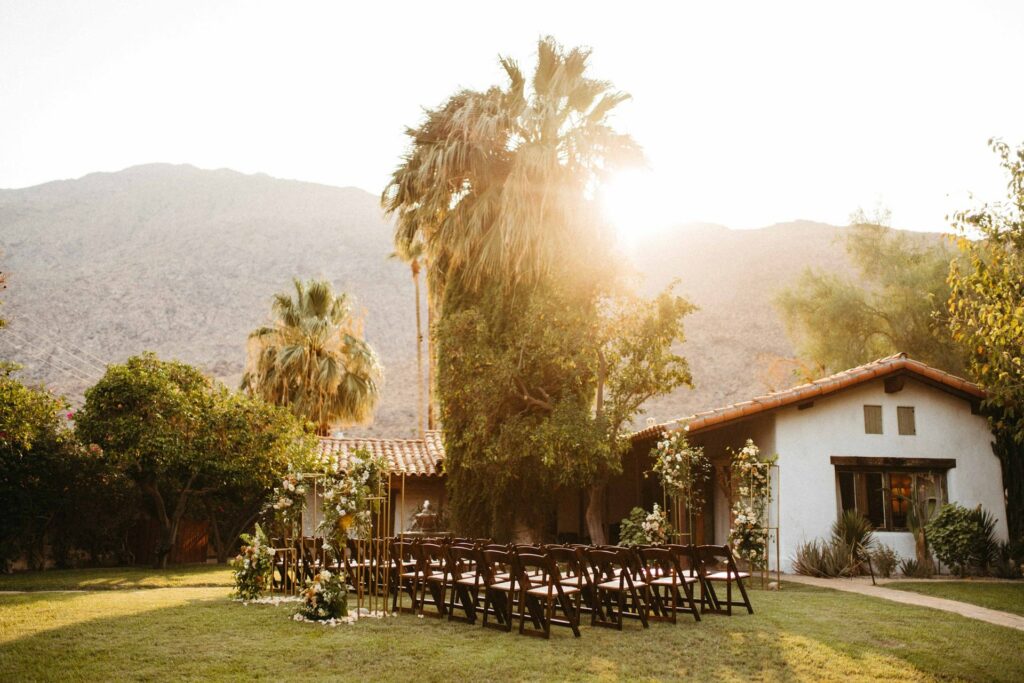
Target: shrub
(962,538)
(826,559)
(884,561)
(912,569)
(1006,563)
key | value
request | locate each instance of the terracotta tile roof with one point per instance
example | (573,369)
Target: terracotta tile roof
(893,365)
(416,457)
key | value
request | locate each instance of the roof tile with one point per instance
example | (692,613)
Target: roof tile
(414,457)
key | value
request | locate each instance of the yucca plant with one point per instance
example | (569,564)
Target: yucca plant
(825,559)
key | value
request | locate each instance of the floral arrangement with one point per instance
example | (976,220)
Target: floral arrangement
(751,484)
(253,566)
(326,597)
(645,528)
(683,469)
(656,526)
(347,509)
(289,500)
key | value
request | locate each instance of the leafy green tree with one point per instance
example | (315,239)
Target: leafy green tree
(496,187)
(986,316)
(636,361)
(36,463)
(516,382)
(314,360)
(897,303)
(185,441)
(258,443)
(151,418)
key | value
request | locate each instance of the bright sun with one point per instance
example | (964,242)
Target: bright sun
(633,206)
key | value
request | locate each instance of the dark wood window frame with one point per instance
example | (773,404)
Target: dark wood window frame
(866,484)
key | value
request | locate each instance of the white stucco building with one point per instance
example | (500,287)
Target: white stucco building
(864,439)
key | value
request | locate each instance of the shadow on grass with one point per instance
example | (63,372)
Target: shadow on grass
(199,633)
(115,578)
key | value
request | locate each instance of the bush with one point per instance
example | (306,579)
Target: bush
(912,569)
(1006,564)
(963,538)
(830,559)
(884,561)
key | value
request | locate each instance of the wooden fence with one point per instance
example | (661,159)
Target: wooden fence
(191,547)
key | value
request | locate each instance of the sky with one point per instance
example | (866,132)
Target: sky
(749,113)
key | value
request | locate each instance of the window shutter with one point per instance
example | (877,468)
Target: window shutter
(905,417)
(872,419)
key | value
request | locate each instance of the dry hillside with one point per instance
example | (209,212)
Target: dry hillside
(183,262)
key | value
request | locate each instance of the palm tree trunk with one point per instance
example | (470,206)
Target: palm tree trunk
(419,347)
(431,360)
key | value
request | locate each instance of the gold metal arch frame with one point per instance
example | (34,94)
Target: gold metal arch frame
(366,561)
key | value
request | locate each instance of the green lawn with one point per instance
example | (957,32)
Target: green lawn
(186,576)
(1008,597)
(197,633)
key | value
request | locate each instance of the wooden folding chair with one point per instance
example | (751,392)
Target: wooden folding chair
(464,578)
(540,591)
(717,564)
(573,566)
(405,575)
(613,585)
(664,577)
(431,559)
(497,571)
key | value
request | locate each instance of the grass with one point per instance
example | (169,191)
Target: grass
(185,576)
(194,633)
(1008,597)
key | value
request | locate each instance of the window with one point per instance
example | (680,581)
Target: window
(885,496)
(905,418)
(872,419)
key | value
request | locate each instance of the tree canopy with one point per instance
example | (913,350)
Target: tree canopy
(313,359)
(897,303)
(986,316)
(180,437)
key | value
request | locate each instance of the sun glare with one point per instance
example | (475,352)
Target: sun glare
(632,204)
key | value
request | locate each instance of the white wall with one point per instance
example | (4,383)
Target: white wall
(806,440)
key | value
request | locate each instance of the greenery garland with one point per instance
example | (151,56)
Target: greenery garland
(684,469)
(347,501)
(751,484)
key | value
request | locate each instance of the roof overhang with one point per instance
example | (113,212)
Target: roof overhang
(893,369)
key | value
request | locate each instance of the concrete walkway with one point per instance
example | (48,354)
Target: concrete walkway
(864,587)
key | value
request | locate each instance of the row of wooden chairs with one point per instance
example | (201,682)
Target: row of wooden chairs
(545,585)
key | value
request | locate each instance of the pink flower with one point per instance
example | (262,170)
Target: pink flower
(71,415)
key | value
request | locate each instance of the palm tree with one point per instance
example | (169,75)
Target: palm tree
(497,183)
(314,360)
(412,254)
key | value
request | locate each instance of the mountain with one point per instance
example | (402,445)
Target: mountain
(184,262)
